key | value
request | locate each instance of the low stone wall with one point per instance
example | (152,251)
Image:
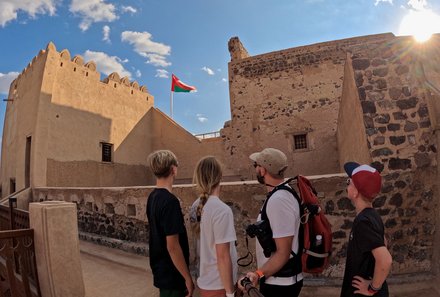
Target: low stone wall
(406,207)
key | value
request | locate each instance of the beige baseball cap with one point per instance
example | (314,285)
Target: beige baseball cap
(273,160)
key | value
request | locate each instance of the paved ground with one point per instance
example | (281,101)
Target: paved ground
(113,273)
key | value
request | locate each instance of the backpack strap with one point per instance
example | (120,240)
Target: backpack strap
(286,270)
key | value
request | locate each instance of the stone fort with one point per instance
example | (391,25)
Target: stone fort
(70,136)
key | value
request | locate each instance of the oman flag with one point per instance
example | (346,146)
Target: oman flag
(178,86)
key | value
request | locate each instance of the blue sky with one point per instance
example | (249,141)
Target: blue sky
(150,40)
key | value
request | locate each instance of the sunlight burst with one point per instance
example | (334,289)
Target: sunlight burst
(421,24)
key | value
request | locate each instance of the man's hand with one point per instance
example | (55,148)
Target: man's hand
(361,285)
(189,287)
(252,276)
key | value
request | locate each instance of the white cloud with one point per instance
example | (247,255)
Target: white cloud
(5,81)
(201,118)
(162,73)
(121,61)
(208,70)
(106,64)
(10,8)
(224,79)
(143,44)
(129,9)
(418,4)
(157,60)
(92,11)
(138,73)
(106,33)
(380,1)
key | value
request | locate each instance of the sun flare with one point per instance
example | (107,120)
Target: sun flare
(420,24)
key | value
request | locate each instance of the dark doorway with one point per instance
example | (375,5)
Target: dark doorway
(27,169)
(12,185)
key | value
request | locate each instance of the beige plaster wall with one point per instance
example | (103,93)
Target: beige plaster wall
(167,134)
(20,122)
(84,112)
(61,102)
(352,140)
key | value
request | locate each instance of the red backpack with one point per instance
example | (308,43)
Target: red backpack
(315,255)
(315,234)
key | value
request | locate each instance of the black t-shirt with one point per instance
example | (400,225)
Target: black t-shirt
(366,235)
(165,218)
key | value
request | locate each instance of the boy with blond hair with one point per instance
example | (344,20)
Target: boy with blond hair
(169,249)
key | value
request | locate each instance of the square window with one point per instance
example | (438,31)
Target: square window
(107,151)
(300,141)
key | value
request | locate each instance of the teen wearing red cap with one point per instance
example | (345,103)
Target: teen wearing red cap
(368,259)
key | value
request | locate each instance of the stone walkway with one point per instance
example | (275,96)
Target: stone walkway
(113,273)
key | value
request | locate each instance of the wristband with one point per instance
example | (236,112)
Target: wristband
(230,294)
(372,289)
(259,273)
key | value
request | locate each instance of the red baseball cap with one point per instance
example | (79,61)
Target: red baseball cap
(366,179)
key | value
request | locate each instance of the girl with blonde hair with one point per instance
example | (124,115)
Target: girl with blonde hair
(218,255)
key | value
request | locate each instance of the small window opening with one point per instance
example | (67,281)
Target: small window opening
(87,74)
(300,141)
(131,210)
(89,206)
(115,85)
(107,151)
(109,208)
(74,69)
(61,65)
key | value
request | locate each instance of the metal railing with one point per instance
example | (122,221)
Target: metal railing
(208,135)
(18,268)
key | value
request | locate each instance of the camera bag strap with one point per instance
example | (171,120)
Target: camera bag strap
(296,256)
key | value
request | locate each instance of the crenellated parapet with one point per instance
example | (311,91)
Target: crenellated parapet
(89,69)
(41,54)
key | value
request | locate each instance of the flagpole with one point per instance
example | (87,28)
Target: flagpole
(171,104)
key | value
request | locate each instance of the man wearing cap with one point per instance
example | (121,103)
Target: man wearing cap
(278,275)
(368,259)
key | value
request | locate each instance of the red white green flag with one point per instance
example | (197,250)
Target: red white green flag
(178,86)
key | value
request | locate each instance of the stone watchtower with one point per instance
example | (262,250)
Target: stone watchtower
(64,126)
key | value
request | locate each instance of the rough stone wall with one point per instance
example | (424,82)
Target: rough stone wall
(402,145)
(120,213)
(277,95)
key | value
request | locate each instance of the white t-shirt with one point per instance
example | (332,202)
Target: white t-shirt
(216,226)
(284,215)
